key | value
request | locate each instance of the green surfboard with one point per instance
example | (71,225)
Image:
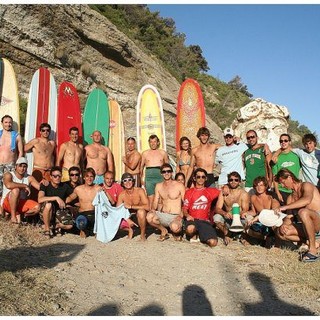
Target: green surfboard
(96,116)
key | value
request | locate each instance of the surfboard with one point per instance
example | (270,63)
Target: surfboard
(96,116)
(191,113)
(116,138)
(9,99)
(42,108)
(150,118)
(69,113)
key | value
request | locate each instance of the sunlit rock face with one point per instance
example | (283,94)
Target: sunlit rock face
(267,119)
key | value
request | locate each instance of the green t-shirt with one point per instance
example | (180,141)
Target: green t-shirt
(255,165)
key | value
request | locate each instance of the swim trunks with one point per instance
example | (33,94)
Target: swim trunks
(166,218)
(7,167)
(65,175)
(98,179)
(153,176)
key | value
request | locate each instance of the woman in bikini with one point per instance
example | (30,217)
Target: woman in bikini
(184,156)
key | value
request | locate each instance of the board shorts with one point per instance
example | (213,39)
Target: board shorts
(166,218)
(153,176)
(124,224)
(24,205)
(40,173)
(65,175)
(85,220)
(99,179)
(204,229)
(7,167)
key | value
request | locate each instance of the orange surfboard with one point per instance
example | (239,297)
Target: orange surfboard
(191,113)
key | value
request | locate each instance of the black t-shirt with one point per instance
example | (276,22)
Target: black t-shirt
(62,191)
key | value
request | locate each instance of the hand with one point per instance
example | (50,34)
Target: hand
(61,203)
(225,190)
(280,197)
(124,159)
(283,229)
(190,218)
(44,182)
(228,215)
(243,215)
(27,190)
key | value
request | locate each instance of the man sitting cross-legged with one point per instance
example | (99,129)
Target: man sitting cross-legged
(170,194)
(196,208)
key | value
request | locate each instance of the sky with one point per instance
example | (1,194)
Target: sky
(275,49)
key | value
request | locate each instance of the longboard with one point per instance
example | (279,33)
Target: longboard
(69,113)
(190,112)
(96,116)
(116,138)
(9,99)
(42,108)
(150,118)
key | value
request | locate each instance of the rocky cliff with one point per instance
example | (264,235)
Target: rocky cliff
(79,45)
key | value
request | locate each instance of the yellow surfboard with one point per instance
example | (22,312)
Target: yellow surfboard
(150,118)
(9,99)
(116,138)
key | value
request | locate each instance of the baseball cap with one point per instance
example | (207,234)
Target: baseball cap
(22,160)
(228,131)
(270,219)
(126,175)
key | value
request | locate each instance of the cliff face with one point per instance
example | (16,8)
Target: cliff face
(79,45)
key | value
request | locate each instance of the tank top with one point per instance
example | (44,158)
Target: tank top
(255,165)
(23,194)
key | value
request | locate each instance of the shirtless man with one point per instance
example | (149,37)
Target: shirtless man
(171,194)
(203,156)
(132,161)
(99,157)
(305,198)
(70,154)
(11,148)
(152,160)
(134,199)
(43,153)
(85,193)
(223,211)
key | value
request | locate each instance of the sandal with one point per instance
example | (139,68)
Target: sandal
(46,234)
(309,257)
(163,237)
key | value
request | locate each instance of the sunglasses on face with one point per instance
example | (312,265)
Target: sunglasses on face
(166,171)
(201,177)
(236,180)
(45,130)
(283,141)
(127,180)
(56,175)
(250,137)
(74,174)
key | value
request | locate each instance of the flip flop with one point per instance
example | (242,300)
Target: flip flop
(309,257)
(162,238)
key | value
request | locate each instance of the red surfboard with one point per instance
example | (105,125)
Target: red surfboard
(191,113)
(69,113)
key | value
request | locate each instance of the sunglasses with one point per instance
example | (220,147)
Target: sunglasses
(236,180)
(166,171)
(283,141)
(250,137)
(201,177)
(74,174)
(45,130)
(56,175)
(127,180)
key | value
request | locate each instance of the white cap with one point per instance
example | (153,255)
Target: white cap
(22,160)
(228,131)
(270,219)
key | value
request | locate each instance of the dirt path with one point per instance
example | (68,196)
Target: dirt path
(170,278)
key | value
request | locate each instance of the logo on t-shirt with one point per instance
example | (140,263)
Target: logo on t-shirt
(200,204)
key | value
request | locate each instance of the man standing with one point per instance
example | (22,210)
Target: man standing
(152,160)
(70,154)
(132,161)
(136,200)
(230,157)
(170,194)
(223,211)
(288,160)
(196,208)
(306,199)
(203,156)
(16,191)
(99,157)
(43,153)
(257,161)
(11,148)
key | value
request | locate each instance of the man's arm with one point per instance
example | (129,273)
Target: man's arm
(166,157)
(28,146)
(34,182)
(19,144)
(134,161)
(110,161)
(142,165)
(144,202)
(43,198)
(219,207)
(72,196)
(190,169)
(10,184)
(61,154)
(244,204)
(156,197)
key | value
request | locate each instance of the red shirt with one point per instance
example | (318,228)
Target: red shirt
(114,191)
(198,201)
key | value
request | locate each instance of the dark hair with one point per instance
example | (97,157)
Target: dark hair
(6,116)
(154,136)
(55,168)
(73,129)
(44,125)
(185,139)
(253,132)
(89,170)
(132,138)
(234,174)
(259,179)
(179,174)
(200,170)
(74,168)
(285,135)
(203,130)
(309,137)
(166,165)
(284,174)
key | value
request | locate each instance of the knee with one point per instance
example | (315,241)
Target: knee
(37,208)
(141,214)
(212,242)
(150,217)
(191,230)
(303,213)
(15,192)
(175,227)
(47,207)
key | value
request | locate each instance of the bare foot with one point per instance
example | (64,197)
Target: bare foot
(82,234)
(130,233)
(226,240)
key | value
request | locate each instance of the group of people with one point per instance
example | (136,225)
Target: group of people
(210,179)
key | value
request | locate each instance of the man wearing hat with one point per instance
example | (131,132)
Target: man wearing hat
(230,157)
(16,190)
(135,199)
